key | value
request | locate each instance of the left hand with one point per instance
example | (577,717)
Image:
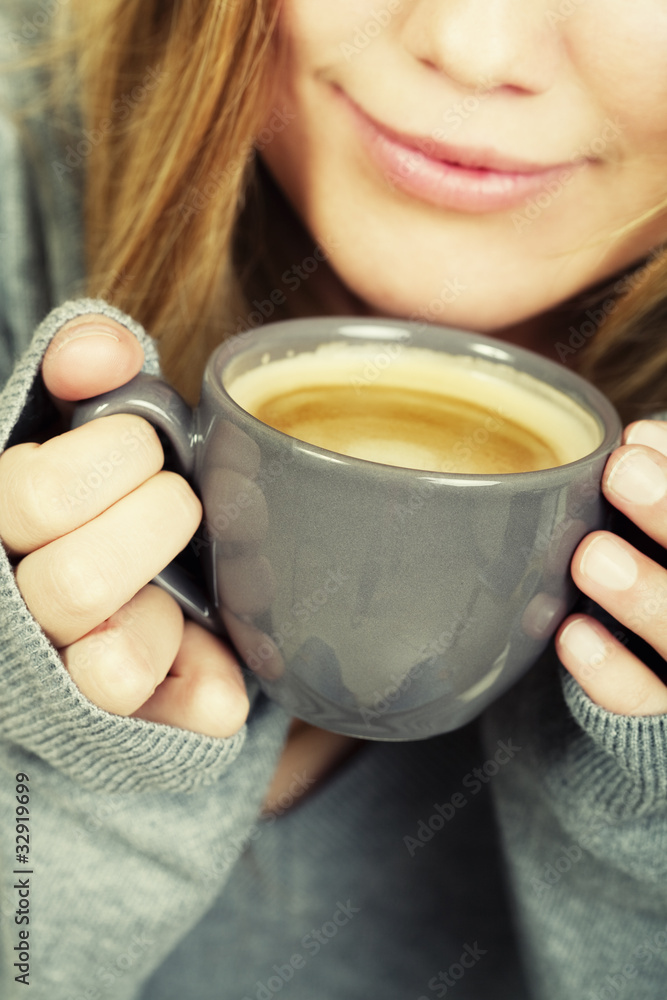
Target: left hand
(628,584)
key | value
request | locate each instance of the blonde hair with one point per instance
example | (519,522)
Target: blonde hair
(178,90)
(173,179)
(627,356)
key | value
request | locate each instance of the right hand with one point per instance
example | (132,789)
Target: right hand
(90,519)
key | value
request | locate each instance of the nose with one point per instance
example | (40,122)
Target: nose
(486,44)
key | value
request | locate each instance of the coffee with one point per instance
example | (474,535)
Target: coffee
(418,409)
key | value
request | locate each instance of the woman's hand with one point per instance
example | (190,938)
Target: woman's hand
(90,519)
(628,584)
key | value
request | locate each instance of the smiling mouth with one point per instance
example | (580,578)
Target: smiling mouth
(454,177)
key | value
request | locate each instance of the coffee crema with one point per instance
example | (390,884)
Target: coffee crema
(418,408)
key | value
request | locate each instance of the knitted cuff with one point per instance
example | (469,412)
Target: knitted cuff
(41,709)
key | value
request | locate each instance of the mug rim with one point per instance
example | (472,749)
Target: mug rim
(320,328)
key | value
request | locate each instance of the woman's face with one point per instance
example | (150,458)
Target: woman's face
(473,160)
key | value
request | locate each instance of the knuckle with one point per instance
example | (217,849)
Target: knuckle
(140,437)
(113,669)
(81,589)
(25,486)
(221,710)
(133,673)
(41,506)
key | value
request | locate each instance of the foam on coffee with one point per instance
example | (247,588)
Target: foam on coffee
(418,409)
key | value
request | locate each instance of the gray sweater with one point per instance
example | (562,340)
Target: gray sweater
(528,848)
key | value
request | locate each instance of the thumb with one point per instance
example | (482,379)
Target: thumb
(90,355)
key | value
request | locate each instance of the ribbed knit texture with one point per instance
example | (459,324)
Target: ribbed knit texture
(638,746)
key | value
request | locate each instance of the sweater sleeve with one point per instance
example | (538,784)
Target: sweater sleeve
(583,812)
(132,826)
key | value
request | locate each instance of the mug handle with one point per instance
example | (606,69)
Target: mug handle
(150,397)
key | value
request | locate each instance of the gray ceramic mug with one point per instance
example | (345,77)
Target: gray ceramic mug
(377,601)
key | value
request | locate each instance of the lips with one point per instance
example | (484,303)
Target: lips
(454,177)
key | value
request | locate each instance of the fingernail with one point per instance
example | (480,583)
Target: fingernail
(637,478)
(582,641)
(87,332)
(652,433)
(607,564)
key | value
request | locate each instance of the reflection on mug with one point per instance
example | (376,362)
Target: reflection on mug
(543,615)
(236,522)
(257,649)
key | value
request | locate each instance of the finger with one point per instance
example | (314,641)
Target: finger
(610,674)
(652,433)
(628,584)
(204,691)
(78,581)
(89,355)
(49,490)
(120,663)
(635,481)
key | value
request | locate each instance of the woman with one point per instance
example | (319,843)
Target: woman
(491,166)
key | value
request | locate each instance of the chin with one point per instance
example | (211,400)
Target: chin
(463,312)
(470,299)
